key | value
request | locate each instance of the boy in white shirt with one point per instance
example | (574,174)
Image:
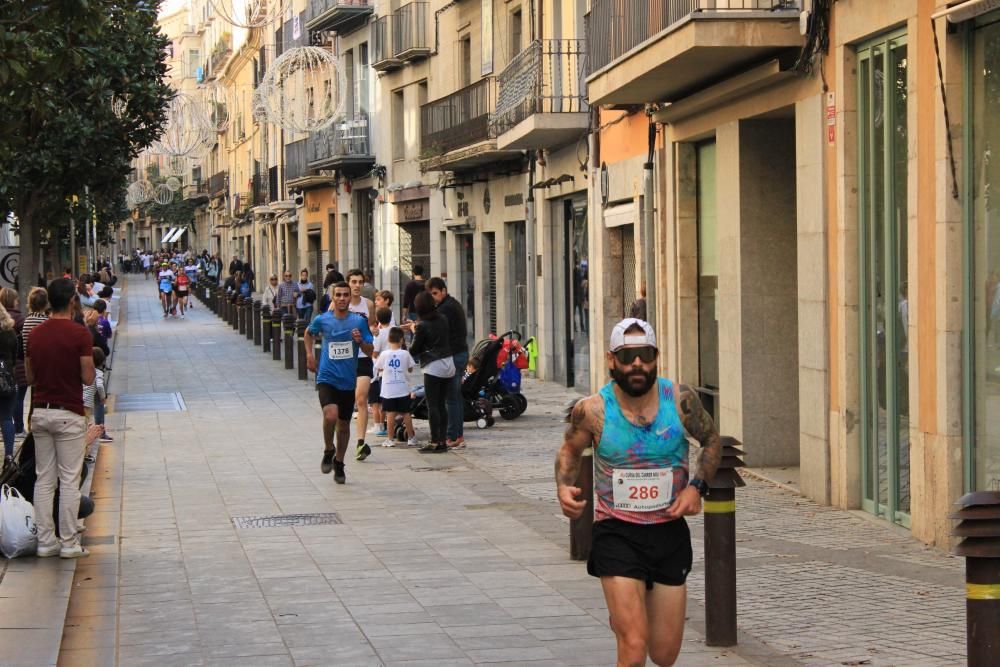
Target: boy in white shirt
(395,364)
(383,317)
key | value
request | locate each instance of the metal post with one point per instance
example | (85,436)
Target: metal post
(581,530)
(241,315)
(300,332)
(265,325)
(648,238)
(980,529)
(276,334)
(248,315)
(720,547)
(288,330)
(223,311)
(256,322)
(234,309)
(532,260)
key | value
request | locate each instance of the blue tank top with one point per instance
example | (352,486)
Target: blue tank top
(626,446)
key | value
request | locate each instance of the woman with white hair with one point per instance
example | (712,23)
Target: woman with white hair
(8,388)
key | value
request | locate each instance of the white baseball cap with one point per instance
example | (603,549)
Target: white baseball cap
(620,339)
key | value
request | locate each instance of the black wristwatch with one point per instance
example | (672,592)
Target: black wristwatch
(701,485)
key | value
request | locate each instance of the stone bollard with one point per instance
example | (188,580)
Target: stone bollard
(288,330)
(300,333)
(256,322)
(241,315)
(581,530)
(979,527)
(265,328)
(249,316)
(720,547)
(276,334)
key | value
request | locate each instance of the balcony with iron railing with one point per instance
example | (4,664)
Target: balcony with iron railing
(455,129)
(217,184)
(259,189)
(401,37)
(242,201)
(662,50)
(345,145)
(340,15)
(196,189)
(541,98)
(296,162)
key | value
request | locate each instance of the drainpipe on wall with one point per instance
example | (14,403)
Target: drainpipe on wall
(648,239)
(531,259)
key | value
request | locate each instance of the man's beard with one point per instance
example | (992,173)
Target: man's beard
(634,382)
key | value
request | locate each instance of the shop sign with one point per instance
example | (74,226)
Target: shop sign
(412,211)
(831,118)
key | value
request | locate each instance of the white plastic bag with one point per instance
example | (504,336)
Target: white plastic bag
(18,534)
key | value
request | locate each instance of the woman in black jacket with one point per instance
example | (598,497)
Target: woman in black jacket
(8,355)
(430,347)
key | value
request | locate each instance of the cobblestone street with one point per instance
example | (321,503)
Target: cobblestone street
(455,559)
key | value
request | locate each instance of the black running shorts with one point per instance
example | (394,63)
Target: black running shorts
(342,398)
(366,367)
(375,391)
(655,553)
(401,404)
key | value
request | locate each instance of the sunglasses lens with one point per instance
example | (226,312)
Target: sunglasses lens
(628,354)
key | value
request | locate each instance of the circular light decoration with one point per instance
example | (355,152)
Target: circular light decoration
(141,191)
(186,132)
(175,166)
(163,195)
(217,105)
(303,91)
(173,184)
(248,13)
(119,107)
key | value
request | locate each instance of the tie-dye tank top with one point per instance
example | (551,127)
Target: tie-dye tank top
(624,445)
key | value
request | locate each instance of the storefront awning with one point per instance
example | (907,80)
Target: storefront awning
(621,214)
(969,9)
(166,237)
(177,235)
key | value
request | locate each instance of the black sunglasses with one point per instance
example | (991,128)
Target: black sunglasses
(626,355)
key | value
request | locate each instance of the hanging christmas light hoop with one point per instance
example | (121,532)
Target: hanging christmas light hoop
(173,184)
(163,195)
(249,13)
(218,100)
(187,130)
(303,90)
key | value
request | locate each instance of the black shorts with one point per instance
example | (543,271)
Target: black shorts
(401,404)
(656,553)
(342,398)
(375,391)
(366,367)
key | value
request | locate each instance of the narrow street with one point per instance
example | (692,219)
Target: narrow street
(453,559)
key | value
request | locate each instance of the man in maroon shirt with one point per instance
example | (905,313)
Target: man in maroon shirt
(59,362)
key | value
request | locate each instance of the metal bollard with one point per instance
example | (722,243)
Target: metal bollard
(256,322)
(237,309)
(248,316)
(720,547)
(265,327)
(979,526)
(241,315)
(581,530)
(220,296)
(288,330)
(276,334)
(300,332)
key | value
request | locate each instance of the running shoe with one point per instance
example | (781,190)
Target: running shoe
(327,465)
(106,437)
(364,451)
(73,552)
(412,442)
(381,432)
(338,472)
(433,448)
(388,442)
(457,443)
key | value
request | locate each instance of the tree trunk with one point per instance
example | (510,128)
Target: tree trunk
(29,244)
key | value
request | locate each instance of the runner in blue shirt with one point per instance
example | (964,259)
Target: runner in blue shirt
(343,333)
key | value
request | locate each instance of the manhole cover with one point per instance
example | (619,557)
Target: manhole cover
(171,402)
(286,520)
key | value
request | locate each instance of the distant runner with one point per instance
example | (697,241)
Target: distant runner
(366,365)
(166,279)
(641,544)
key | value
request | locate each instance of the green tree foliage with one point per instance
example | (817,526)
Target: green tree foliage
(81,93)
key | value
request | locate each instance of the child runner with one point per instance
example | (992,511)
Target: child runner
(383,299)
(395,364)
(383,316)
(183,287)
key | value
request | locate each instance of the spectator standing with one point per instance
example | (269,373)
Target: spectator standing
(304,306)
(94,395)
(103,323)
(384,299)
(60,362)
(287,293)
(38,304)
(332,276)
(430,347)
(249,276)
(235,265)
(270,296)
(12,302)
(8,356)
(91,319)
(452,310)
(412,289)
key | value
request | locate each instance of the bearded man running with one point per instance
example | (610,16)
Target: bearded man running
(641,544)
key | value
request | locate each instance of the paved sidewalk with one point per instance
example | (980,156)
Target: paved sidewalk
(451,559)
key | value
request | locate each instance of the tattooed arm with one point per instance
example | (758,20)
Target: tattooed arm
(579,436)
(700,426)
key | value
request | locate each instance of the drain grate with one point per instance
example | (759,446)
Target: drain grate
(171,402)
(287,520)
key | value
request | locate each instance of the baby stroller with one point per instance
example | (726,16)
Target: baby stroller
(503,365)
